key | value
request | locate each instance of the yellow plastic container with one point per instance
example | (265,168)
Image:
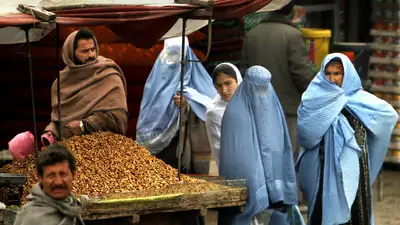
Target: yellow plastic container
(317,41)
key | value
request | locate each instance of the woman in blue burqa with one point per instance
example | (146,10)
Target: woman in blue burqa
(158,122)
(345,133)
(255,146)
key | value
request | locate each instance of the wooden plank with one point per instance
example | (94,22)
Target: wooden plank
(135,217)
(201,3)
(186,204)
(235,197)
(176,218)
(37,12)
(108,214)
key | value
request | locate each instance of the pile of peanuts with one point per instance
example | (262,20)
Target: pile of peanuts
(109,163)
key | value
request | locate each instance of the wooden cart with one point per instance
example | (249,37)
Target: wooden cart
(169,209)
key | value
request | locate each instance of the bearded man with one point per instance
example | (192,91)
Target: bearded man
(92,92)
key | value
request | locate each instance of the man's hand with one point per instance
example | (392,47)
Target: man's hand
(177,100)
(73,124)
(74,127)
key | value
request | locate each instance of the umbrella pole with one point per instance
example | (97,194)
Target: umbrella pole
(181,108)
(58,80)
(28,54)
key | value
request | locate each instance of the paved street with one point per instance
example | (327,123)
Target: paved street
(387,211)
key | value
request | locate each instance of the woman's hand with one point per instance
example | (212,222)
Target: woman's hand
(177,100)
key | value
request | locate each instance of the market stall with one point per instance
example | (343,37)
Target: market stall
(140,20)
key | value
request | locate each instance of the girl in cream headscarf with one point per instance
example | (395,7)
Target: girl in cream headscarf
(226,78)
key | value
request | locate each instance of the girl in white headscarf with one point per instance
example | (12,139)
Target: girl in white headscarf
(226,78)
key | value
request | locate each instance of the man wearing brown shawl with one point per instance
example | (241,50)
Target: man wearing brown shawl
(92,91)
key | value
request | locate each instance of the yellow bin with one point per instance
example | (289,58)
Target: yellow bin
(317,41)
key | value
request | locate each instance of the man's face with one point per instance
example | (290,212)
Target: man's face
(57,180)
(85,51)
(226,86)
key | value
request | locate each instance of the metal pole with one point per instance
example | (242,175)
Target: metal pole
(28,54)
(181,109)
(336,22)
(58,80)
(352,21)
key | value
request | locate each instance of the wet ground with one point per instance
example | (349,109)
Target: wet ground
(386,209)
(386,202)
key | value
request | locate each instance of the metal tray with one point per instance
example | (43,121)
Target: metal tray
(9,179)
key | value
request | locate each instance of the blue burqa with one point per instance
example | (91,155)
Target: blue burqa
(255,146)
(319,116)
(159,116)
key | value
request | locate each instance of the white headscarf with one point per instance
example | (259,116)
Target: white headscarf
(214,114)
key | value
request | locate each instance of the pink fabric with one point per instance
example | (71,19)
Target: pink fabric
(22,145)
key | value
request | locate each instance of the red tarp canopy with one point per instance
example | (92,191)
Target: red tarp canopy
(143,26)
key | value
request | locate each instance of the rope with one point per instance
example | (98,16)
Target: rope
(33,16)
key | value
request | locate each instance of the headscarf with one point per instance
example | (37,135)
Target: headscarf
(158,117)
(319,116)
(95,86)
(255,145)
(214,114)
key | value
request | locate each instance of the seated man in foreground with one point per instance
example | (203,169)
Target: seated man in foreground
(92,92)
(51,201)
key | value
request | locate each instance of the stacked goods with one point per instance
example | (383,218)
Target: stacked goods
(385,63)
(109,163)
